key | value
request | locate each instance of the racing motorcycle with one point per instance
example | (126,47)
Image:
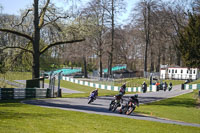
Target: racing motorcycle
(170,88)
(129,107)
(115,103)
(144,89)
(92,97)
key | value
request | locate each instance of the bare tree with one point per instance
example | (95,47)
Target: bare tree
(40,20)
(97,16)
(115,7)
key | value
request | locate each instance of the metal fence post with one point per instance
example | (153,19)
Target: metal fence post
(59,90)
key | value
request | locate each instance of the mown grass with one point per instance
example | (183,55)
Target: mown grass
(5,85)
(195,82)
(85,89)
(137,82)
(16,76)
(182,108)
(16,117)
(134,82)
(82,88)
(174,82)
(11,76)
(131,82)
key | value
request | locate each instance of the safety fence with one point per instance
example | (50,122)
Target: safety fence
(23,93)
(190,86)
(151,88)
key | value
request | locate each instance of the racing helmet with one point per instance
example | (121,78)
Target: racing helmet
(136,95)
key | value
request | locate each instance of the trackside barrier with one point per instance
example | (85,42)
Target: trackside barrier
(190,87)
(151,88)
(22,93)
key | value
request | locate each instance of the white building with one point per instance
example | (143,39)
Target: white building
(179,73)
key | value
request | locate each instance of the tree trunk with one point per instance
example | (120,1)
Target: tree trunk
(158,64)
(36,41)
(147,34)
(170,55)
(163,56)
(112,42)
(178,57)
(152,61)
(85,67)
(100,65)
(108,66)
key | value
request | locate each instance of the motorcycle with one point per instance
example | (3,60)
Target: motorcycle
(128,108)
(144,88)
(91,98)
(170,88)
(114,104)
(164,87)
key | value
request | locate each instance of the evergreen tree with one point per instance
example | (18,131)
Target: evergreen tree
(190,42)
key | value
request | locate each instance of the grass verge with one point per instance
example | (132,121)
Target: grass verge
(85,89)
(195,82)
(16,76)
(16,117)
(136,82)
(182,108)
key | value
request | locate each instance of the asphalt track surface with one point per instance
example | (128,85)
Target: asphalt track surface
(101,104)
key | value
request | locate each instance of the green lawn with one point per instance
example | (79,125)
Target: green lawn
(174,82)
(11,76)
(182,108)
(16,117)
(82,88)
(16,76)
(85,89)
(195,82)
(134,82)
(5,85)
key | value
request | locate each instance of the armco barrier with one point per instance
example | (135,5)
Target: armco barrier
(108,87)
(191,87)
(22,93)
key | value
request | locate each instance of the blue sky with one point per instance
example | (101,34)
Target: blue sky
(13,6)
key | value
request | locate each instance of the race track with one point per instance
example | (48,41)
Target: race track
(100,106)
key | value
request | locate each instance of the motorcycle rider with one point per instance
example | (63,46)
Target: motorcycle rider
(122,89)
(144,87)
(170,86)
(119,96)
(95,92)
(165,86)
(133,99)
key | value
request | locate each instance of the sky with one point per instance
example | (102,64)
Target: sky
(13,7)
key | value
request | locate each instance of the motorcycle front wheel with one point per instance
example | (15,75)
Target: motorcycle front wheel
(111,105)
(130,110)
(114,107)
(90,100)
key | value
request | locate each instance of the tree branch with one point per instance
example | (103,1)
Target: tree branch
(24,17)
(59,43)
(42,13)
(19,48)
(17,33)
(53,21)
